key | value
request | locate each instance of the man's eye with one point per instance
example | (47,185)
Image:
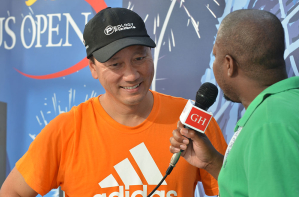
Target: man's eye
(113,65)
(140,58)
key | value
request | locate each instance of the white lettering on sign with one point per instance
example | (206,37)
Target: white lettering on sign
(40,26)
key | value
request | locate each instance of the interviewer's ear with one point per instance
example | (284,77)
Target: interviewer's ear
(230,65)
(92,68)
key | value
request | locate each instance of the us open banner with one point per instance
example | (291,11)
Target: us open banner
(43,65)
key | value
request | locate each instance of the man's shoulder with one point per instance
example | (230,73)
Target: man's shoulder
(169,98)
(87,105)
(84,108)
(282,105)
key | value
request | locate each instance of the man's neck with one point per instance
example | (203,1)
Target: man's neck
(254,88)
(128,115)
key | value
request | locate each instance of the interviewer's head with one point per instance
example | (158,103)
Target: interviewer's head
(252,41)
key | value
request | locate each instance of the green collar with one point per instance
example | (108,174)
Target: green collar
(286,84)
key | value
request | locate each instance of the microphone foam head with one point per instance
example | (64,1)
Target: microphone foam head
(206,95)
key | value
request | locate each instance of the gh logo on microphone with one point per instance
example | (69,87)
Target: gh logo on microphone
(195,118)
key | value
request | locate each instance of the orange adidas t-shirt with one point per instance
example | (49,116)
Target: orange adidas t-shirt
(87,153)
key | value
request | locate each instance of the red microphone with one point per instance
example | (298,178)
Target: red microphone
(195,118)
(195,115)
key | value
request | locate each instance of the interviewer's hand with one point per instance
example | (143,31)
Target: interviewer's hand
(198,150)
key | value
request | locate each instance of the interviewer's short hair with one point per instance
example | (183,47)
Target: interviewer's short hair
(254,38)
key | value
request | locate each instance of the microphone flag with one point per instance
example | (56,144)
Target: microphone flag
(195,118)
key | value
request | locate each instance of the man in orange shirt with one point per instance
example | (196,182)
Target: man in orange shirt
(115,144)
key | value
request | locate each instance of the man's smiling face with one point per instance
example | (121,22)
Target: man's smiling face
(127,76)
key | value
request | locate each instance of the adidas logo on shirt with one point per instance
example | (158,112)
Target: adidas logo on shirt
(129,176)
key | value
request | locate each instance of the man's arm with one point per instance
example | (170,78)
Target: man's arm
(15,186)
(198,150)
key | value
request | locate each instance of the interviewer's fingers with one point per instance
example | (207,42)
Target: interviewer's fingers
(176,134)
(189,133)
(192,135)
(196,137)
(178,142)
(174,150)
(177,146)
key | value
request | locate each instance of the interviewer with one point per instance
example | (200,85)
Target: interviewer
(262,158)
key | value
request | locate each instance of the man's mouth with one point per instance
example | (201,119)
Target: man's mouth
(132,87)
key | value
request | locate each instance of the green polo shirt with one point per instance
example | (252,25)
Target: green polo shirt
(262,158)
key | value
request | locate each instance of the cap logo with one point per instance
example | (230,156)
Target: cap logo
(111,29)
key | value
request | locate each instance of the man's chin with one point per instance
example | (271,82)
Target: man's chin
(228,99)
(133,101)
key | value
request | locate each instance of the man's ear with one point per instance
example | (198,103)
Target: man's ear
(92,68)
(231,66)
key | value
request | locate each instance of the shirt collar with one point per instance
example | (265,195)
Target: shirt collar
(286,84)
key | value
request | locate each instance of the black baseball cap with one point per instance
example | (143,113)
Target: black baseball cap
(113,29)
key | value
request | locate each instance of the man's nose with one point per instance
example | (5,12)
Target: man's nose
(130,73)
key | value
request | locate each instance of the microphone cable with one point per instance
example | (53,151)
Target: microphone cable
(205,97)
(174,159)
